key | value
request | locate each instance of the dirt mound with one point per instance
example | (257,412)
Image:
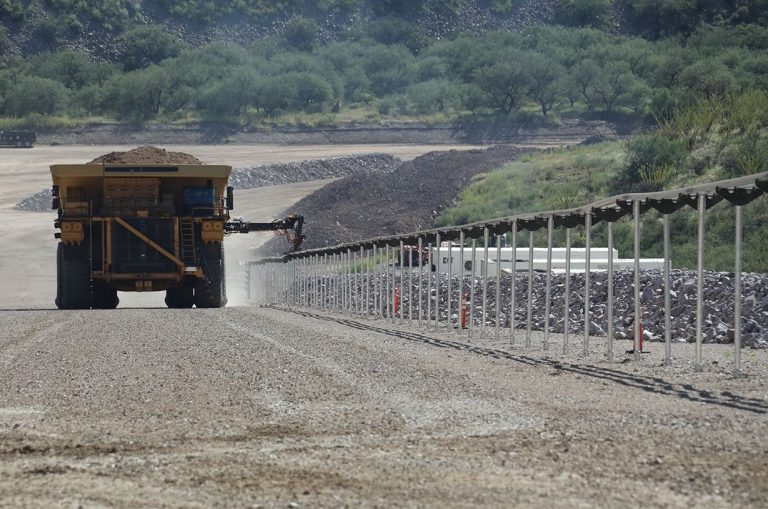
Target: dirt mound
(147,155)
(405,200)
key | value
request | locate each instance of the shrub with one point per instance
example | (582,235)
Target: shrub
(301,33)
(148,45)
(651,161)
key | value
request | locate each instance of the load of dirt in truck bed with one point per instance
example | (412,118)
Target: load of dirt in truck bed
(405,200)
(146,155)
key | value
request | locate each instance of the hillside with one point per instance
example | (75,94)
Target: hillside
(31,26)
(711,140)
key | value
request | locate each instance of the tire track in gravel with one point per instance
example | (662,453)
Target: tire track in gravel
(14,343)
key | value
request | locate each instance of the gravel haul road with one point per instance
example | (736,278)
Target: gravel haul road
(258,407)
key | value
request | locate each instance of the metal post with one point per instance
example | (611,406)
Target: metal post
(472,289)
(486,239)
(326,281)
(385,299)
(367,282)
(498,287)
(513,285)
(337,282)
(410,286)
(437,281)
(362,305)
(667,296)
(355,292)
(429,284)
(449,300)
(638,316)
(393,314)
(461,279)
(548,281)
(530,291)
(402,281)
(376,282)
(609,311)
(587,278)
(421,275)
(700,280)
(567,291)
(343,281)
(737,295)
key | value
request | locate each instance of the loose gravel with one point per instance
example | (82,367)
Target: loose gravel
(256,407)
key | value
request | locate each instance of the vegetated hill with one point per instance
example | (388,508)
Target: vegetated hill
(31,26)
(710,140)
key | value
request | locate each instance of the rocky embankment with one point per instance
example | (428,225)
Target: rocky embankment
(316,169)
(718,303)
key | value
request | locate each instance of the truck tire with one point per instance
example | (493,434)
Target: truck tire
(104,297)
(76,281)
(211,291)
(59,275)
(180,296)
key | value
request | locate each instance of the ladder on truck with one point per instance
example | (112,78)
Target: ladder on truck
(187,232)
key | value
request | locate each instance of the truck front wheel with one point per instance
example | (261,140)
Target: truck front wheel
(104,297)
(75,277)
(180,296)
(211,291)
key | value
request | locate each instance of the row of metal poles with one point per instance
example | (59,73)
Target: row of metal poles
(367,282)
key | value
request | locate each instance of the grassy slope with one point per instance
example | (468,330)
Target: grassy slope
(572,177)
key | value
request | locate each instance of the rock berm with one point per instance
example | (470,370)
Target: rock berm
(718,303)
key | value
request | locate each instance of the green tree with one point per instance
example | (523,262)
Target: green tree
(585,76)
(433,95)
(233,95)
(707,77)
(615,81)
(505,83)
(32,94)
(656,18)
(71,68)
(137,95)
(148,45)
(272,95)
(11,9)
(301,33)
(310,93)
(546,82)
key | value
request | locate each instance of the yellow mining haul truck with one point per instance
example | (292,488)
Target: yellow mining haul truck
(138,228)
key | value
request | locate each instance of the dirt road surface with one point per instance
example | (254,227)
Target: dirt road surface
(256,407)
(27,246)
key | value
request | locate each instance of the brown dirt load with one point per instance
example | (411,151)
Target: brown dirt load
(146,155)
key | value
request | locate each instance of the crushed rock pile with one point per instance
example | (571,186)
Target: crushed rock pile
(316,169)
(38,202)
(146,155)
(718,303)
